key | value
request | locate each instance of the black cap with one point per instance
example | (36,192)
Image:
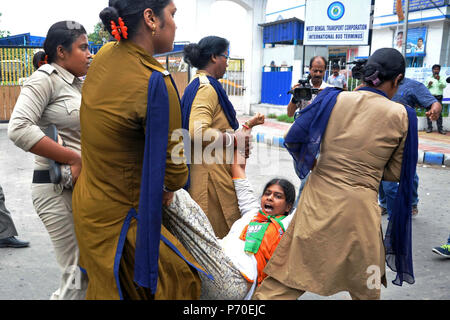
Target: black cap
(386,63)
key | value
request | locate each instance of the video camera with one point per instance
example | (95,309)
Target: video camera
(303,93)
(357,71)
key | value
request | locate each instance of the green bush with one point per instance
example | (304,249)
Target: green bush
(353,84)
(421,112)
(272,116)
(285,118)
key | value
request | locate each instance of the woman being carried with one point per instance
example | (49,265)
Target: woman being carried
(237,261)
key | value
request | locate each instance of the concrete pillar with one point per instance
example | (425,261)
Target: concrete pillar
(256,13)
(445,47)
(255,61)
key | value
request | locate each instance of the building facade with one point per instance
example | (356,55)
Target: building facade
(427,43)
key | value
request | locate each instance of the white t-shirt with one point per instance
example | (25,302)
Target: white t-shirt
(303,104)
(232,245)
(338,82)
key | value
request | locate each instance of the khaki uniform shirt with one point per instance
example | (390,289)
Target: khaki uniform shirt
(52,95)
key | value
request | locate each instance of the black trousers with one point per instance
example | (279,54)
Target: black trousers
(439,120)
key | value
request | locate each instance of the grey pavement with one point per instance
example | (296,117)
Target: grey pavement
(32,273)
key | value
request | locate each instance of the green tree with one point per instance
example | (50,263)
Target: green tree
(4,33)
(100,35)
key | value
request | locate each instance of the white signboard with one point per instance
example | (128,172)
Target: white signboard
(338,23)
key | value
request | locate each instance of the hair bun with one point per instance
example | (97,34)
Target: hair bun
(373,74)
(370,69)
(38,59)
(192,54)
(389,63)
(107,15)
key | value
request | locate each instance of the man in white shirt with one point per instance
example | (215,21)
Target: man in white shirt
(336,79)
(399,41)
(317,68)
(420,48)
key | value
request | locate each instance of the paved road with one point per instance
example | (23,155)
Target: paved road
(32,273)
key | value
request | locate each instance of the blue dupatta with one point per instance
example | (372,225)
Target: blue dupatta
(191,92)
(153,172)
(398,238)
(186,106)
(303,142)
(305,136)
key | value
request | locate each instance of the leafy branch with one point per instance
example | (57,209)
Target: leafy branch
(4,33)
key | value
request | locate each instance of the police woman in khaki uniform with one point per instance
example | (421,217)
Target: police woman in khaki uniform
(212,123)
(52,95)
(335,241)
(116,127)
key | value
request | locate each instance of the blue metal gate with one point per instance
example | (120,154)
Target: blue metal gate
(275,86)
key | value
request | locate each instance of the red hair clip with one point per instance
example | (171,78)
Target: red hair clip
(119,31)
(123,28)
(42,62)
(115,31)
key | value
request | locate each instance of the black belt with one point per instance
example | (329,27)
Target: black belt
(41,177)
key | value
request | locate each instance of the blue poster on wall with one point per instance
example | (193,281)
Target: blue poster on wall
(417,42)
(417,5)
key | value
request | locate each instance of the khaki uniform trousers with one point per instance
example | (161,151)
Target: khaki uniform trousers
(272,289)
(53,205)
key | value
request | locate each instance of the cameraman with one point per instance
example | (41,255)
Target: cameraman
(317,68)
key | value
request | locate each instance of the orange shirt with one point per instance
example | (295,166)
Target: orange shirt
(270,242)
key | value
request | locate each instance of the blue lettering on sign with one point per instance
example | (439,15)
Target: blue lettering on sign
(336,11)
